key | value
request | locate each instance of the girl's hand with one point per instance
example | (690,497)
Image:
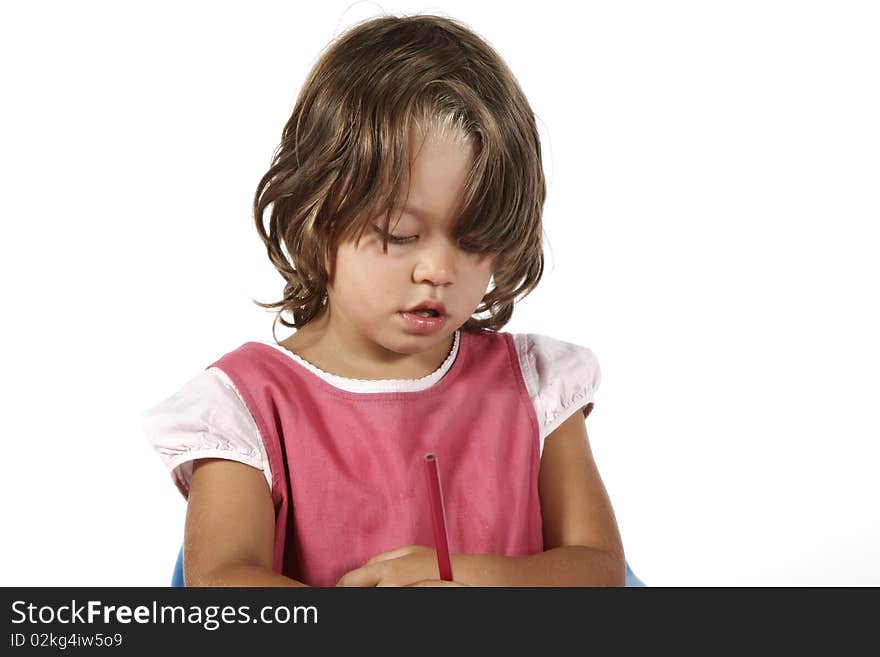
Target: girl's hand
(437,582)
(410,565)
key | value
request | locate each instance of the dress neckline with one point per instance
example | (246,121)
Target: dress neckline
(376,385)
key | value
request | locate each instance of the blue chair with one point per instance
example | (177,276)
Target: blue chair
(631,579)
(177,577)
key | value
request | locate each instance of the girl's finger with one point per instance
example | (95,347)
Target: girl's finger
(435,582)
(395,554)
(359,577)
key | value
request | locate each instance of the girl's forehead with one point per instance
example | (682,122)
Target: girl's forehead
(439,171)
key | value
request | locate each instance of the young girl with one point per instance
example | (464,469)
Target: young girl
(406,199)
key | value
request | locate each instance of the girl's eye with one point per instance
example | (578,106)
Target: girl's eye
(469,247)
(394,239)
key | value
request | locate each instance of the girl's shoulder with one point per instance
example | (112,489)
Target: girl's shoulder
(544,349)
(561,377)
(205,418)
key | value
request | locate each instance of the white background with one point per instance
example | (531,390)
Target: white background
(713,175)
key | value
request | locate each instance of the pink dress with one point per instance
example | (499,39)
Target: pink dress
(346,470)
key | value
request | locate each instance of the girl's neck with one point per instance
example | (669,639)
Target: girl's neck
(356,357)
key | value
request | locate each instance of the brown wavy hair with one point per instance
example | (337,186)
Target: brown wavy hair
(348,140)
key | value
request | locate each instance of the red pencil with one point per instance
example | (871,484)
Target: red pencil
(438,516)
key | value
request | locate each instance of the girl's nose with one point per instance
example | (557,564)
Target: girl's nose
(436,264)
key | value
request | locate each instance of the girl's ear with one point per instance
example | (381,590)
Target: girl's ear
(329,264)
(328,268)
(497,262)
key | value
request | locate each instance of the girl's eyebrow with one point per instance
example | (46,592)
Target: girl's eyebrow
(416,212)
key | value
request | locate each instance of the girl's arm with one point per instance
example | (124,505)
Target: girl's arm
(582,545)
(230,527)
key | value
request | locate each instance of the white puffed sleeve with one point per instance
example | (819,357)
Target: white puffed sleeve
(561,378)
(206,418)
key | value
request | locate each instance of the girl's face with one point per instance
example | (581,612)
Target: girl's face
(424,262)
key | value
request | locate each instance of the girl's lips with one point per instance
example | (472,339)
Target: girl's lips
(422,325)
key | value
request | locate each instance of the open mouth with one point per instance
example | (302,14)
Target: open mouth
(424,321)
